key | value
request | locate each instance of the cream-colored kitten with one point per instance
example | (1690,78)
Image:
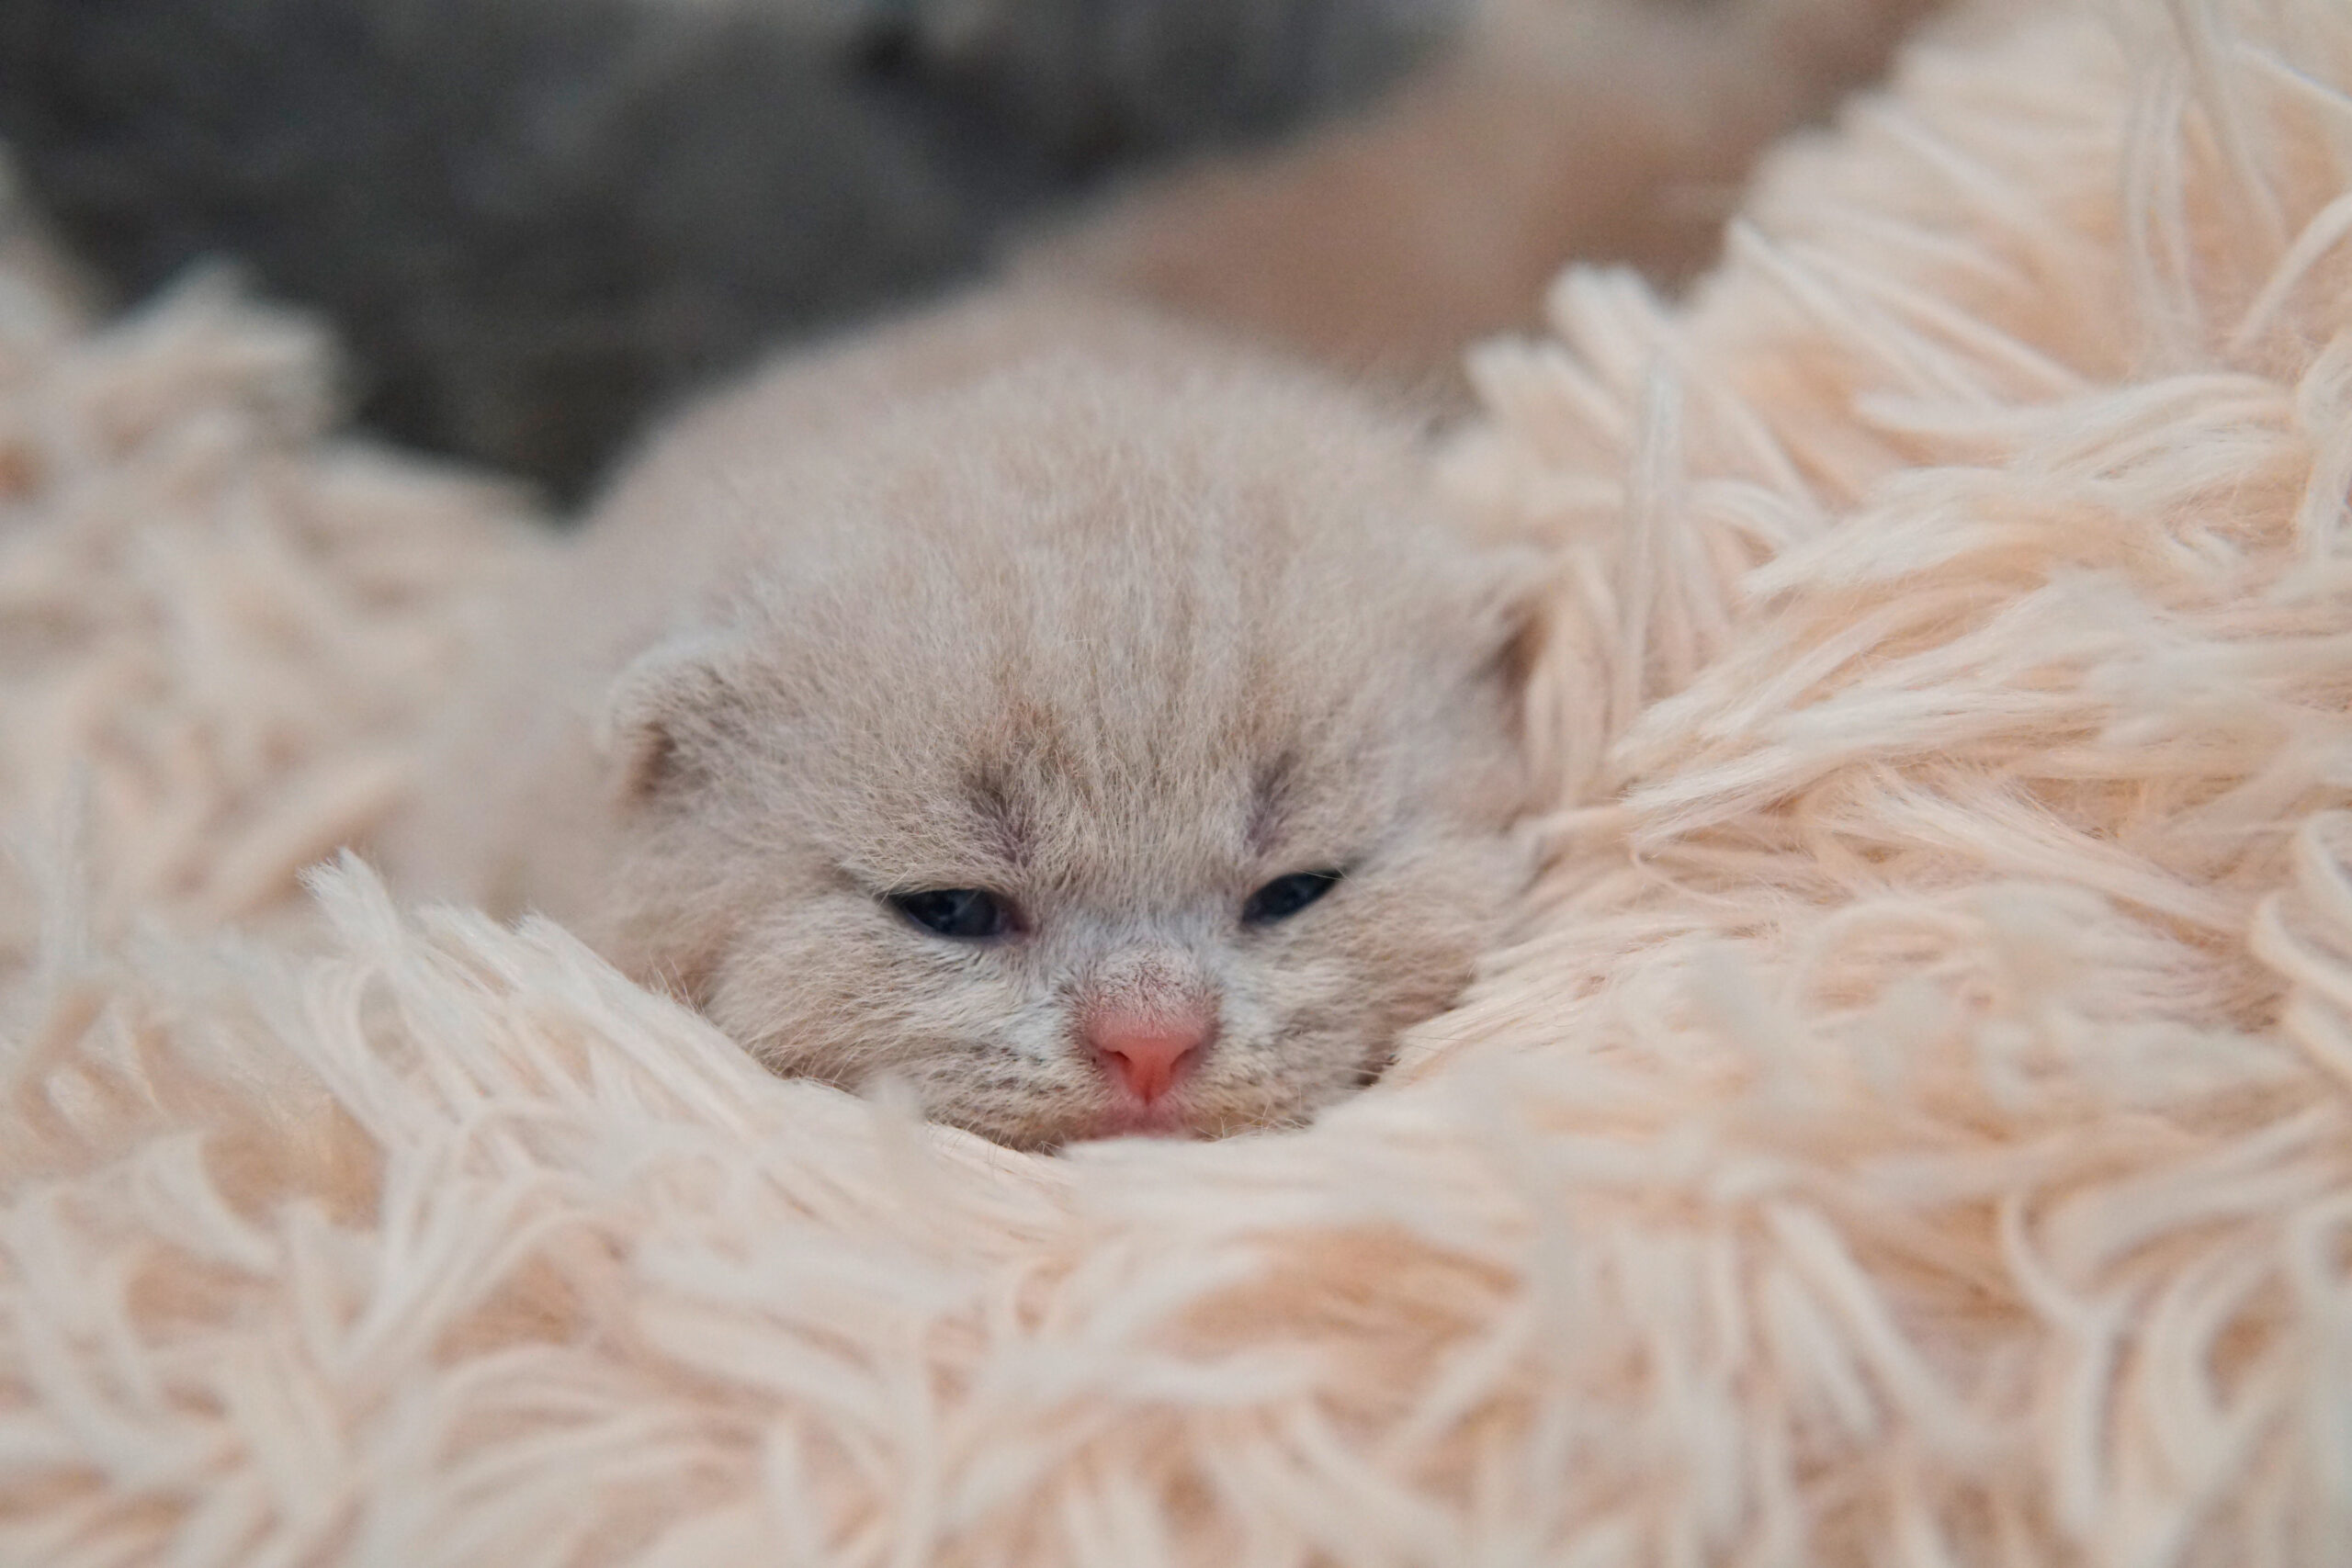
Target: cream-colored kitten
(1082,720)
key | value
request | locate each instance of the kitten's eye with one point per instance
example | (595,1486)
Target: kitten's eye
(1286,896)
(965,913)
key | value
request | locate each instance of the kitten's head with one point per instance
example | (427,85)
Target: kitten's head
(1105,751)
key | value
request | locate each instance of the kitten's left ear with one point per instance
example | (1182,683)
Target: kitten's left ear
(664,709)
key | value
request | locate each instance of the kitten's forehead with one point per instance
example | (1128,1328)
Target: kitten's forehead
(1156,637)
(1098,808)
(1134,763)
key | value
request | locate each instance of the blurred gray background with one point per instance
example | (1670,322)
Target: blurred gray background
(533,222)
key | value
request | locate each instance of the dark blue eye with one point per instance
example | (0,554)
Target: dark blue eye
(1286,896)
(965,913)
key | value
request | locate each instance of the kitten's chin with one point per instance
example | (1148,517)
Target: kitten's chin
(1161,1120)
(1045,1125)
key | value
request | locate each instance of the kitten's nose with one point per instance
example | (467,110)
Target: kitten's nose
(1149,1052)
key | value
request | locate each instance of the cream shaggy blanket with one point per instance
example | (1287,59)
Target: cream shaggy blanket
(1914,1128)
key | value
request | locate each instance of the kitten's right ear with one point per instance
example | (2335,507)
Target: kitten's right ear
(663,711)
(1516,586)
(1515,592)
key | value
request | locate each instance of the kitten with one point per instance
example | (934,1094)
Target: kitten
(1080,719)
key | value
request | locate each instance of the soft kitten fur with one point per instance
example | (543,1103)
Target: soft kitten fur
(1042,597)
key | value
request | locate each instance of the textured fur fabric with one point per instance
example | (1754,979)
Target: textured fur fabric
(1914,1126)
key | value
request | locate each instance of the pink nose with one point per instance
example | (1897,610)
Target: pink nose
(1148,1051)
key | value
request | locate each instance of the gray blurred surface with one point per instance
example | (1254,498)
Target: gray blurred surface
(533,222)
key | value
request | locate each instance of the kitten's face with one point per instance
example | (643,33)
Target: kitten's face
(1039,968)
(1142,786)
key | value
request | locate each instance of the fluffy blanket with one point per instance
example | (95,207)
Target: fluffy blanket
(1913,1127)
